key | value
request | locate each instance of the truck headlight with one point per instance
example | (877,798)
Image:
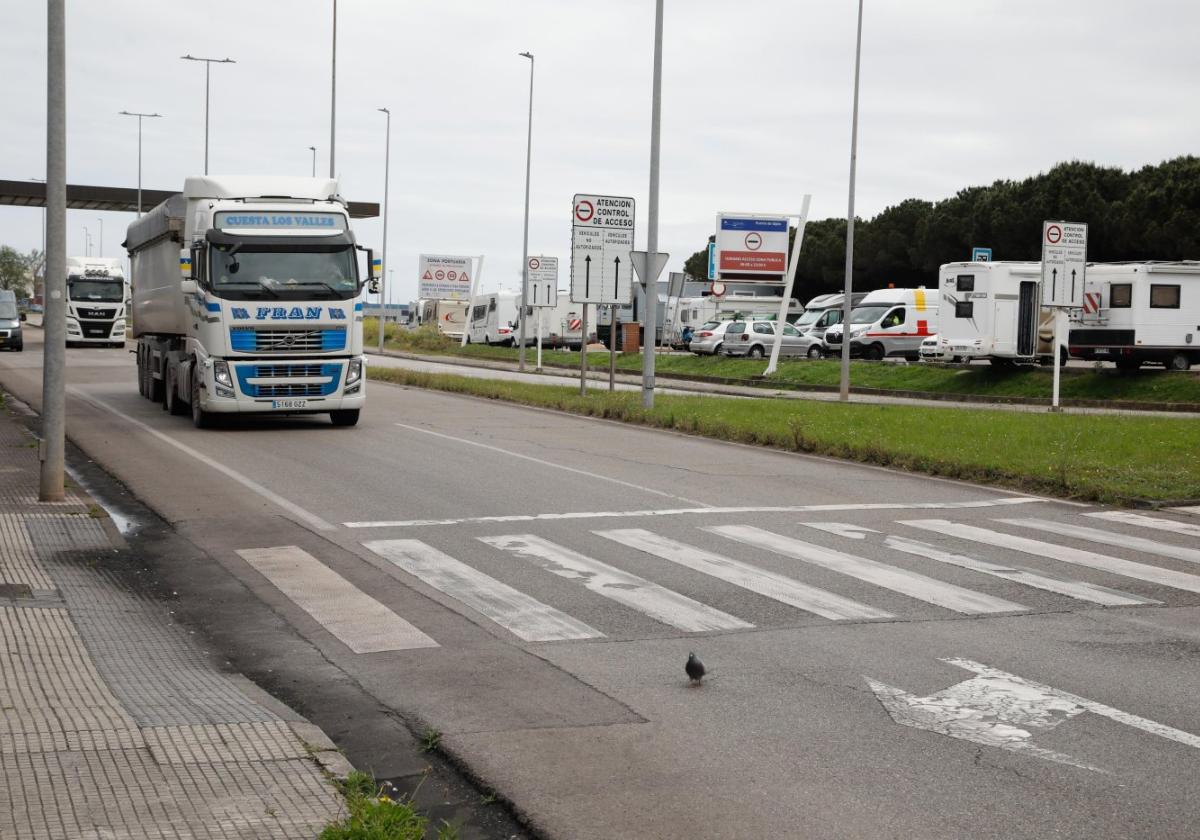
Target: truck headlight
(354,371)
(221,374)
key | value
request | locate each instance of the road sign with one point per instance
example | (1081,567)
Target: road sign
(543,282)
(601,239)
(748,244)
(444,277)
(712,260)
(1064,263)
(981,255)
(718,289)
(1091,303)
(647,266)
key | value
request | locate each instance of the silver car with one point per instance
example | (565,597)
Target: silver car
(708,339)
(756,338)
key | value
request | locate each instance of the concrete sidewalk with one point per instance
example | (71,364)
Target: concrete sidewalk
(113,722)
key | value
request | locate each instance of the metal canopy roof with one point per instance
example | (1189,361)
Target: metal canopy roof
(119,199)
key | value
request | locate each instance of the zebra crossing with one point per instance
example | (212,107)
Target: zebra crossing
(880,564)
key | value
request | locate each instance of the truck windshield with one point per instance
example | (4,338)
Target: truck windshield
(241,272)
(106,291)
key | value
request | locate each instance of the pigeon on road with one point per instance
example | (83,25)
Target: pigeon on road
(694,668)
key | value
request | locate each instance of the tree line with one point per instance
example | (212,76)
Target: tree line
(1152,213)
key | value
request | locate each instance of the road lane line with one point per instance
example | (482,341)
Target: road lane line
(705,511)
(637,593)
(1066,554)
(544,463)
(249,483)
(899,580)
(1189,555)
(525,617)
(1079,589)
(842,529)
(1143,521)
(357,620)
(769,584)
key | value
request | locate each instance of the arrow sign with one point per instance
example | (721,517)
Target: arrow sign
(616,276)
(587,276)
(648,266)
(1002,710)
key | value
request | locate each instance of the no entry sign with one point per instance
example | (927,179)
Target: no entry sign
(601,239)
(543,282)
(1064,263)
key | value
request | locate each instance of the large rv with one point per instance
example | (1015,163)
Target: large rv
(1140,313)
(495,318)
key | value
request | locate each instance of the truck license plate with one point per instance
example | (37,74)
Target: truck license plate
(289,403)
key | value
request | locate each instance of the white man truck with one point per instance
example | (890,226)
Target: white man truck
(247,299)
(96,293)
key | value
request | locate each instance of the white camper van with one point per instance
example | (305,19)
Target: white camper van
(495,318)
(888,322)
(823,311)
(993,311)
(450,316)
(1140,313)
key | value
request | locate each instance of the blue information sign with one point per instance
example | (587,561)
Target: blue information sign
(981,255)
(712,260)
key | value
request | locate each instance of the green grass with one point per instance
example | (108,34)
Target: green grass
(1106,458)
(376,812)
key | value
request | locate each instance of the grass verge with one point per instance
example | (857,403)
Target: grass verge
(1119,459)
(1150,386)
(375,812)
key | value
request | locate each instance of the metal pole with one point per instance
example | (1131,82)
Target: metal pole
(54,319)
(313,149)
(539,341)
(1058,342)
(87,242)
(525,245)
(612,347)
(139,210)
(387,159)
(583,345)
(844,389)
(787,289)
(208,63)
(471,303)
(650,313)
(333,97)
(101,249)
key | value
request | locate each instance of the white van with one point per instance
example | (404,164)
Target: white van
(495,319)
(993,311)
(888,322)
(823,311)
(1140,313)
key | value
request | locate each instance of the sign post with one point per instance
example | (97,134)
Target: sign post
(1064,272)
(541,292)
(787,289)
(601,238)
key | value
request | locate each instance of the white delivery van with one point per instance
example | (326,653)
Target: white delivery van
(888,322)
(495,318)
(823,311)
(993,311)
(1140,313)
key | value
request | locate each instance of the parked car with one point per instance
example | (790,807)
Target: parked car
(709,338)
(756,338)
(10,321)
(931,350)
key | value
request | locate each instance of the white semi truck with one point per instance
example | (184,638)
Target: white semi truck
(96,293)
(247,299)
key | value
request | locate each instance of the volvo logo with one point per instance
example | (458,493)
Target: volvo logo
(289,340)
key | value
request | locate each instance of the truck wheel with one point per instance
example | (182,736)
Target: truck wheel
(344,417)
(141,374)
(201,419)
(756,352)
(874,352)
(1179,361)
(171,402)
(154,387)
(814,352)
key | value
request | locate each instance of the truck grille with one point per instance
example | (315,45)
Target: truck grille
(265,371)
(259,340)
(835,338)
(331,373)
(287,390)
(96,329)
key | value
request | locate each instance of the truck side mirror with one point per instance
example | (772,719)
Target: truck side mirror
(185,264)
(375,272)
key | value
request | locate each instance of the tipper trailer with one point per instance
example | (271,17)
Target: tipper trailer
(247,299)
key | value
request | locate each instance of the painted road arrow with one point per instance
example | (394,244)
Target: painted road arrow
(1002,710)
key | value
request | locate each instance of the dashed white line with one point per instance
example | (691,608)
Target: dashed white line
(1066,529)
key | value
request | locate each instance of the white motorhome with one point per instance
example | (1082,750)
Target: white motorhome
(888,322)
(248,299)
(495,318)
(1140,313)
(96,293)
(993,311)
(449,316)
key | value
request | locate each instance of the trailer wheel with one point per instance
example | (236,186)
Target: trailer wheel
(141,373)
(201,419)
(171,402)
(1179,361)
(153,386)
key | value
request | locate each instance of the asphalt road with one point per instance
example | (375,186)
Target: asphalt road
(530,584)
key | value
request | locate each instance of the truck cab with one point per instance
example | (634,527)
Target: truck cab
(96,294)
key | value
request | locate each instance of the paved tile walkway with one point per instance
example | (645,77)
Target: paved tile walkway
(113,724)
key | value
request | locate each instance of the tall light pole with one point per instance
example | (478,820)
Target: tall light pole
(54,318)
(651,309)
(87,242)
(844,390)
(100,241)
(525,246)
(387,159)
(333,96)
(313,149)
(140,115)
(208,63)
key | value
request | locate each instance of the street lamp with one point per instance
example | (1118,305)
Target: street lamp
(333,95)
(87,242)
(140,115)
(208,62)
(313,149)
(525,246)
(387,159)
(844,387)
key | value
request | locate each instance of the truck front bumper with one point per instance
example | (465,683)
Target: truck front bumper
(293,387)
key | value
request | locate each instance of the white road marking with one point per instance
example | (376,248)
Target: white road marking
(270,495)
(635,592)
(1189,555)
(1143,521)
(1082,590)
(1066,554)
(704,511)
(544,463)
(880,574)
(841,529)
(766,583)
(360,622)
(526,617)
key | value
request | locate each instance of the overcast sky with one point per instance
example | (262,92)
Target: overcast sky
(756,106)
